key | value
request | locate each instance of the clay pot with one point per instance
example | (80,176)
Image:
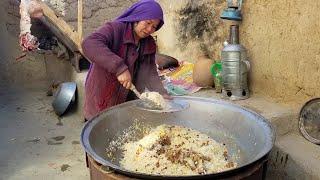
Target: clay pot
(201,72)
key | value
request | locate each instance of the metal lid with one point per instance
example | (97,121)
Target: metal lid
(309,120)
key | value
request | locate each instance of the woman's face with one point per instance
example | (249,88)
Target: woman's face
(144,28)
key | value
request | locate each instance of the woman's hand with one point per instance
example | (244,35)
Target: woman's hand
(125,79)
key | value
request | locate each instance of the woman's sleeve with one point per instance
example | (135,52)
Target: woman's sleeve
(154,82)
(96,48)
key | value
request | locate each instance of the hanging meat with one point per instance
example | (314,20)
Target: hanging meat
(28,9)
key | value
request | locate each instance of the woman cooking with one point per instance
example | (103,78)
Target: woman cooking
(122,53)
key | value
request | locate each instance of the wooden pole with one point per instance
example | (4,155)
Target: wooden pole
(64,29)
(80,7)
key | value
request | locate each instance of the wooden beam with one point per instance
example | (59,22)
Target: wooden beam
(80,16)
(65,29)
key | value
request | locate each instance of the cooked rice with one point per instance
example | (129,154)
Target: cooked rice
(175,150)
(155,98)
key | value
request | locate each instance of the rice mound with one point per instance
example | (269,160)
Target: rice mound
(174,150)
(154,97)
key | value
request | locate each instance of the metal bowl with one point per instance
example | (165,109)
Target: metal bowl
(64,97)
(248,136)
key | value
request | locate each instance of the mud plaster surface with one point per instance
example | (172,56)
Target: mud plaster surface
(192,29)
(281,37)
(33,145)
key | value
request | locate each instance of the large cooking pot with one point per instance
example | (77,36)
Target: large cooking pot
(248,136)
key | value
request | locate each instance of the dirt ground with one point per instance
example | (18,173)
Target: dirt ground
(35,144)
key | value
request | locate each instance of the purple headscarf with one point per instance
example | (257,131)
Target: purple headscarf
(142,10)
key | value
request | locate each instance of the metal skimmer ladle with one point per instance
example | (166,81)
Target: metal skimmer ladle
(148,102)
(133,88)
(170,106)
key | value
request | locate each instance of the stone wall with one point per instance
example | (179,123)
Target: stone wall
(95,12)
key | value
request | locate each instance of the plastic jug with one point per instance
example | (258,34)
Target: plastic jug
(216,69)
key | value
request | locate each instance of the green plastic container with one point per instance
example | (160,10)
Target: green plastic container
(216,73)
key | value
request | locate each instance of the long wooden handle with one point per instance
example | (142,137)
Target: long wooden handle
(80,17)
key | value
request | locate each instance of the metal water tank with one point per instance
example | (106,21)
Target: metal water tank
(235,67)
